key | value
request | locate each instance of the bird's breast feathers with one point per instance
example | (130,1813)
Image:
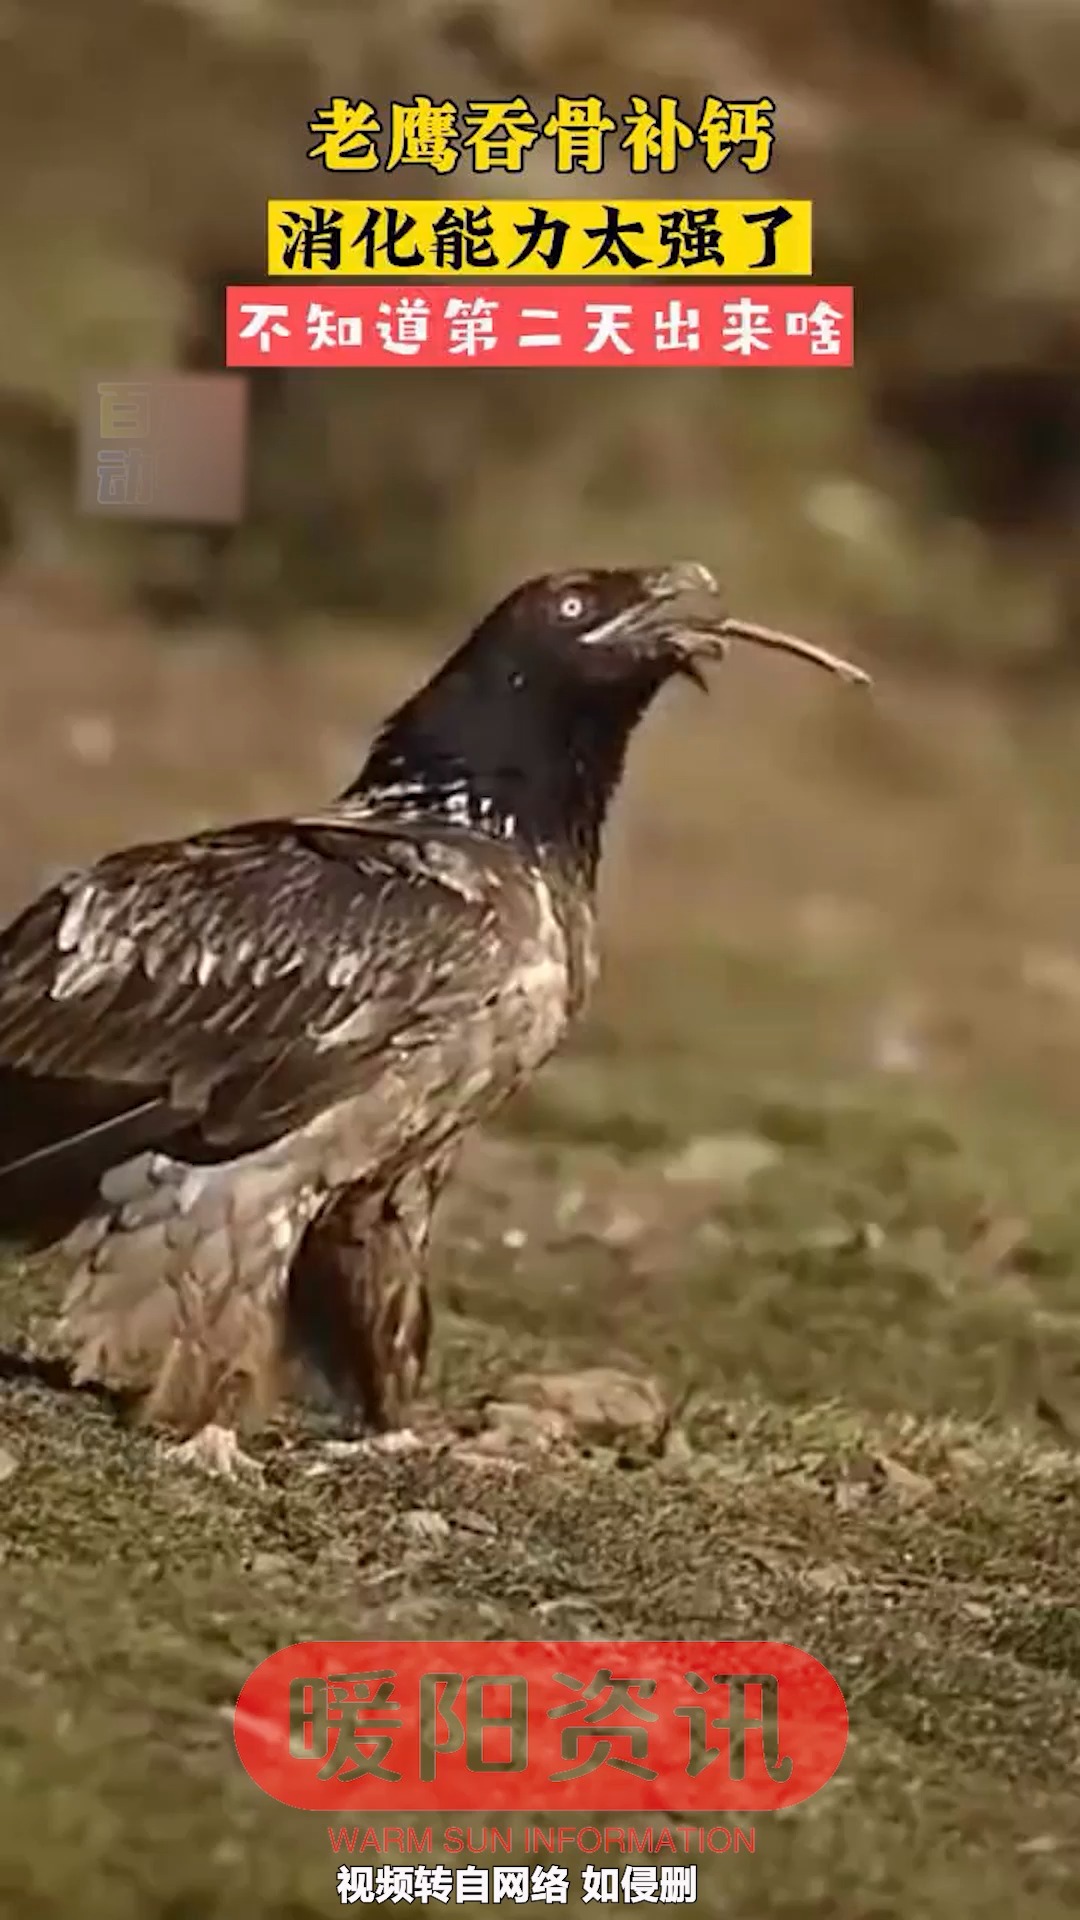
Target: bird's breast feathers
(542,990)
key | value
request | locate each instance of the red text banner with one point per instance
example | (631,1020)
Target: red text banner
(551,326)
(483,1726)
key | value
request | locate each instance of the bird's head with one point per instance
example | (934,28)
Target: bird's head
(627,625)
(523,730)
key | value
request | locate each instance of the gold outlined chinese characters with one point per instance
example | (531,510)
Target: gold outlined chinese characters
(582,130)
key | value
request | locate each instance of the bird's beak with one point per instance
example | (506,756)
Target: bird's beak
(708,637)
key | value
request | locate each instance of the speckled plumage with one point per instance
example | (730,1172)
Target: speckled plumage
(312,1012)
(235,1069)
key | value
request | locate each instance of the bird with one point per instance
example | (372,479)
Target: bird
(237,1068)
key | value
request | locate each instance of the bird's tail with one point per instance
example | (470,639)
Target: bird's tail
(56,1143)
(177,1286)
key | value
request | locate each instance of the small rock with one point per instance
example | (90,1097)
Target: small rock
(601,1401)
(426,1526)
(978,1610)
(269,1566)
(512,1423)
(514,1239)
(849,1493)
(873,1474)
(827,1578)
(8,1464)
(398,1440)
(903,1481)
(468,1521)
(482,1456)
(678,1451)
(728,1161)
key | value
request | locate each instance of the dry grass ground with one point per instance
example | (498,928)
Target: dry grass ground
(811,1167)
(843,983)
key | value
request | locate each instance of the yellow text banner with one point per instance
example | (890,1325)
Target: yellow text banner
(564,239)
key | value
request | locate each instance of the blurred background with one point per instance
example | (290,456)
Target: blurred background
(816,1151)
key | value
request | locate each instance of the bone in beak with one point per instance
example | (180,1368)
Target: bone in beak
(715,636)
(789,643)
(691,576)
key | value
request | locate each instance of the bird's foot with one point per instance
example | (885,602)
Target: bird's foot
(214,1450)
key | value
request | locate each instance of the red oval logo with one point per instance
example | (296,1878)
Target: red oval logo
(555,1725)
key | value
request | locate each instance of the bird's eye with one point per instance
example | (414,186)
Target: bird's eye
(571,606)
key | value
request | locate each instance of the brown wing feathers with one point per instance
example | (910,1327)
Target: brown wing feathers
(203,997)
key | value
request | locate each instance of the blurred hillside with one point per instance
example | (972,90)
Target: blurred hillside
(934,495)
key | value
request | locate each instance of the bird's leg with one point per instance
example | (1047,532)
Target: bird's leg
(359,1309)
(215,1450)
(359,1306)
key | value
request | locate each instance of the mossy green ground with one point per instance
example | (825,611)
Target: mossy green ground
(927,1557)
(811,1166)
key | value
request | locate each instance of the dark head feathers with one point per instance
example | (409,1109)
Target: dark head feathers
(523,731)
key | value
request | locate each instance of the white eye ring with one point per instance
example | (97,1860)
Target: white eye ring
(571,606)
